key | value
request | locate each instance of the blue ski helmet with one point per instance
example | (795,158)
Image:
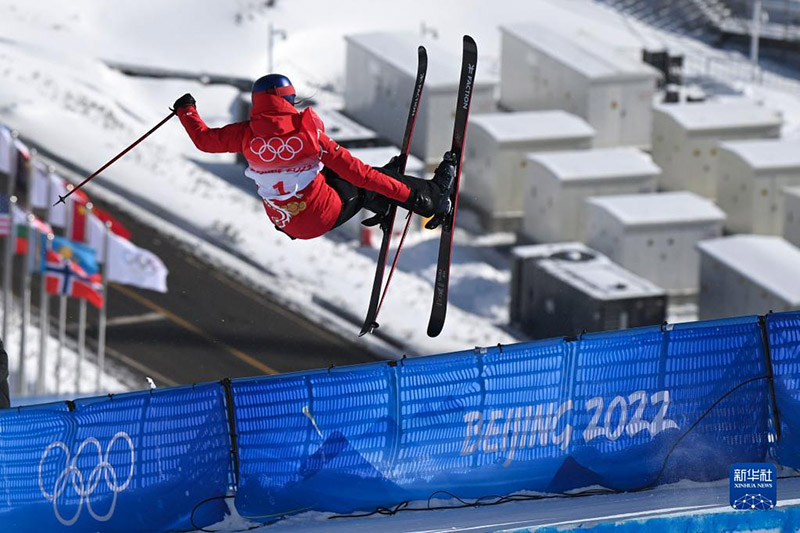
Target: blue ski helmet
(275,84)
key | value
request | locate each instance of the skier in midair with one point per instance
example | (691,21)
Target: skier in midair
(307,182)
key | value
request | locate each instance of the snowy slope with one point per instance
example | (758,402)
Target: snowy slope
(63,381)
(679,499)
(54,92)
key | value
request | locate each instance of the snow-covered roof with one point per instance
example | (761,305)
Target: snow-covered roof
(794,192)
(529,126)
(708,116)
(680,207)
(767,154)
(343,129)
(588,270)
(599,61)
(380,155)
(400,50)
(604,163)
(600,278)
(768,261)
(534,251)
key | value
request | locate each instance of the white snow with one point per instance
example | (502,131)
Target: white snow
(680,498)
(63,382)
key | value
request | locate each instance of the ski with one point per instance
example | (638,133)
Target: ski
(387,224)
(469,61)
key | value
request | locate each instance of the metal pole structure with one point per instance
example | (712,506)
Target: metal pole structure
(272,33)
(8,252)
(101,335)
(81,344)
(44,302)
(755,33)
(62,309)
(26,305)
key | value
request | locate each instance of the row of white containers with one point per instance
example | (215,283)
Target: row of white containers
(516,180)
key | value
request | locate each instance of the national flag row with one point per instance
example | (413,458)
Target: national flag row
(92,236)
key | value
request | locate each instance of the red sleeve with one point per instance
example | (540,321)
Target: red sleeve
(214,140)
(359,174)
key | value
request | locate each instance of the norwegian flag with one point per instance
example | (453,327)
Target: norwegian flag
(66,277)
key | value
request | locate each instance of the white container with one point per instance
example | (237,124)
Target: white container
(791,220)
(752,175)
(686,139)
(344,130)
(654,235)
(560,183)
(748,274)
(493,180)
(543,69)
(380,73)
(376,157)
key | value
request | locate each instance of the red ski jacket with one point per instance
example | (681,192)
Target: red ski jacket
(286,149)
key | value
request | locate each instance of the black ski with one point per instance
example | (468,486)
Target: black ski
(469,61)
(387,224)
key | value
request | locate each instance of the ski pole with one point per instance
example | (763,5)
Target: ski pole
(122,153)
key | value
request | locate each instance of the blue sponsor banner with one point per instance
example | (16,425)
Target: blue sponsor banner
(783,335)
(131,462)
(624,410)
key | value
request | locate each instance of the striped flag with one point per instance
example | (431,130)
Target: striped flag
(66,277)
(5,215)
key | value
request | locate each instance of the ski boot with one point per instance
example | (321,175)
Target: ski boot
(444,177)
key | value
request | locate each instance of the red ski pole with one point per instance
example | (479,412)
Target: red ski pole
(122,153)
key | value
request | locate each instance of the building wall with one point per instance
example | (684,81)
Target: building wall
(791,218)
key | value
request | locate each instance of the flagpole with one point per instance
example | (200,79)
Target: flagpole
(44,300)
(26,305)
(62,308)
(101,336)
(82,309)
(8,252)
(81,343)
(22,385)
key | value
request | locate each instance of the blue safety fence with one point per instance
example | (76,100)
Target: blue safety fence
(783,331)
(624,410)
(132,462)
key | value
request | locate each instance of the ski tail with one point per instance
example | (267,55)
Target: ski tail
(469,63)
(370,322)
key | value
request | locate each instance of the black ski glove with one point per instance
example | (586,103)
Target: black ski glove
(184,101)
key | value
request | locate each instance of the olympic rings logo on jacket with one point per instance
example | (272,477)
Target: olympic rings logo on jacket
(276,147)
(85,485)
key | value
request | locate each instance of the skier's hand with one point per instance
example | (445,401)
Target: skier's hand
(393,166)
(184,101)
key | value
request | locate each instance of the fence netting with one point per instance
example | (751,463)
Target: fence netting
(623,410)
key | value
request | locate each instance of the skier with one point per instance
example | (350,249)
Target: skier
(307,182)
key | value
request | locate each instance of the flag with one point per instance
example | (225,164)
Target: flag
(5,215)
(20,218)
(58,212)
(41,181)
(22,150)
(78,226)
(81,254)
(66,277)
(96,235)
(130,265)
(116,225)
(6,142)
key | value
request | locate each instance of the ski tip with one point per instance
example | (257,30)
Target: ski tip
(434,329)
(469,42)
(368,328)
(422,51)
